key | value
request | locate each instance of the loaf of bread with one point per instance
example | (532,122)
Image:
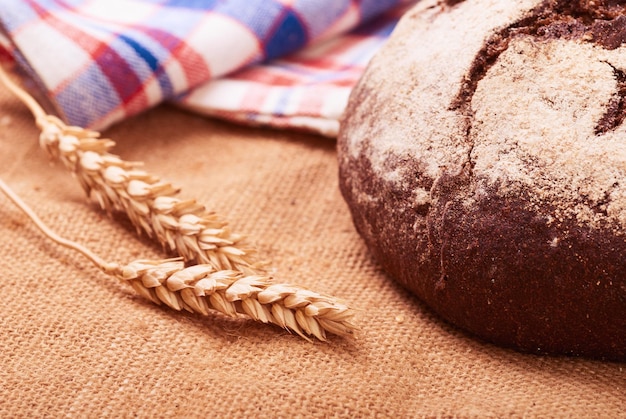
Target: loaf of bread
(483,157)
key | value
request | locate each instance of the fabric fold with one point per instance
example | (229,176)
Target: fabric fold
(276,62)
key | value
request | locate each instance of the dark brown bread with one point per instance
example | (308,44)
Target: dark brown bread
(483,156)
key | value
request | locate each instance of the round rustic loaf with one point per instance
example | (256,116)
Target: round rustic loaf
(483,157)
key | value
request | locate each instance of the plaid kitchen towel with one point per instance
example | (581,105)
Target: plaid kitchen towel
(100,61)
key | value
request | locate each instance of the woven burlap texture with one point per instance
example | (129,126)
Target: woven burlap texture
(77,343)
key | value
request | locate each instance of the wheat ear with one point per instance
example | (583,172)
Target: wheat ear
(184,226)
(200,288)
(197,235)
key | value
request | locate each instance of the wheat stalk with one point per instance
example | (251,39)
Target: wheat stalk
(227,277)
(184,226)
(200,288)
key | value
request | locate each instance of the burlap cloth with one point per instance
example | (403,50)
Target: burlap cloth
(77,343)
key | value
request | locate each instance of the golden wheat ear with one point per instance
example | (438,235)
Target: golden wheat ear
(228,277)
(184,226)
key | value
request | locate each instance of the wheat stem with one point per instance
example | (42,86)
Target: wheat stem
(94,258)
(27,99)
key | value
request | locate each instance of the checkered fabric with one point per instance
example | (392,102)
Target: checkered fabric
(100,61)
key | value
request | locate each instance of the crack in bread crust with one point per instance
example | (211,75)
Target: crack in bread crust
(616,108)
(601,22)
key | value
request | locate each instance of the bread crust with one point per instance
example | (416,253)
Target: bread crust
(483,157)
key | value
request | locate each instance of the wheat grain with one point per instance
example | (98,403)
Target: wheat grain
(225,275)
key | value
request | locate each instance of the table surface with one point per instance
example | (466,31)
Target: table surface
(75,342)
